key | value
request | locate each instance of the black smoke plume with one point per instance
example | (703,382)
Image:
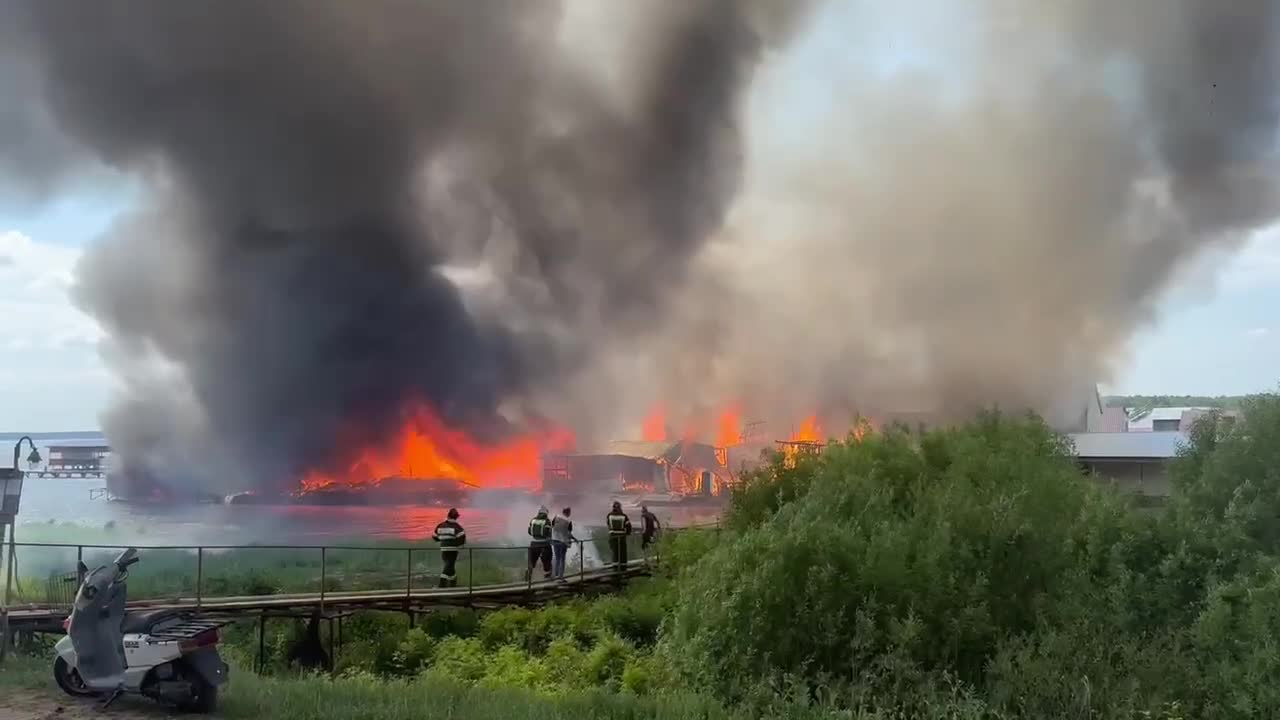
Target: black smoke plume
(285,284)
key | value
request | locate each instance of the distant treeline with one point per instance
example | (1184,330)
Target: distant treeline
(46,436)
(1146,402)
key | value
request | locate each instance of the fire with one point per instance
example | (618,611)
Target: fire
(810,431)
(725,428)
(729,428)
(655,424)
(428,449)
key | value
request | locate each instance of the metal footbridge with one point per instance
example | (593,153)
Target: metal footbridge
(211,580)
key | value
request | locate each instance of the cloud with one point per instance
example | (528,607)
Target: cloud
(1257,333)
(34,302)
(1256,266)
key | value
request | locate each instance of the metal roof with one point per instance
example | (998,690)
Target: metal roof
(1145,421)
(1130,445)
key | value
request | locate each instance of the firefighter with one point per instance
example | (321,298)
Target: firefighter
(619,528)
(451,537)
(649,527)
(540,545)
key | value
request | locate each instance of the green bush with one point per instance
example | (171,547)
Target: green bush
(413,653)
(565,665)
(634,617)
(462,660)
(928,551)
(512,667)
(607,661)
(1235,646)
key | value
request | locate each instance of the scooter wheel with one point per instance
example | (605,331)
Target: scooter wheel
(204,697)
(68,678)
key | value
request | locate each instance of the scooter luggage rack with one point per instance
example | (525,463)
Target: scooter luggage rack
(188,628)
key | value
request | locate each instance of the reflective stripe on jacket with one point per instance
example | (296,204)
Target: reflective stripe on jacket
(450,534)
(619,524)
(540,530)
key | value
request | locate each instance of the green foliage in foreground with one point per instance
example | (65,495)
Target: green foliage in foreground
(906,565)
(431,695)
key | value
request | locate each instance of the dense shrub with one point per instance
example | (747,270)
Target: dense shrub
(975,562)
(927,549)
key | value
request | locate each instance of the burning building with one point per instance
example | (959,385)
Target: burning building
(684,469)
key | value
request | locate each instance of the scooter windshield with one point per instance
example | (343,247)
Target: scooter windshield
(95,630)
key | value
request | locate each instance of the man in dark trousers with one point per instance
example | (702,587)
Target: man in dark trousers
(619,528)
(451,537)
(561,538)
(649,527)
(540,545)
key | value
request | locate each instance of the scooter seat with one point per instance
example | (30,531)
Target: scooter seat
(142,621)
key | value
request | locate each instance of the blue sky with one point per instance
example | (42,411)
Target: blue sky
(1216,333)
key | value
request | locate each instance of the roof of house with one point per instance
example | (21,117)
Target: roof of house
(1145,421)
(1127,445)
(640,448)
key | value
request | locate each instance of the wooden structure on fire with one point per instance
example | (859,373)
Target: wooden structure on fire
(625,466)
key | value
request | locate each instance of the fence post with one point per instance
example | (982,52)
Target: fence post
(408,574)
(79,566)
(471,571)
(323,575)
(582,560)
(199,577)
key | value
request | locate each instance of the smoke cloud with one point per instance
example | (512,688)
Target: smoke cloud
(288,274)
(990,219)
(518,210)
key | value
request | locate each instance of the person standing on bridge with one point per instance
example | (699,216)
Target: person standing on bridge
(649,527)
(561,538)
(451,536)
(540,545)
(619,528)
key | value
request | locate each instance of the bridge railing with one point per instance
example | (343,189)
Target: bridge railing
(46,573)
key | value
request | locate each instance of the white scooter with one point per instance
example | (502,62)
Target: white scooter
(165,655)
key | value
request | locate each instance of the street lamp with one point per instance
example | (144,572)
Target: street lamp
(10,494)
(33,458)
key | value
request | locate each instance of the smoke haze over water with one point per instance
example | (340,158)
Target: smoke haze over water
(558,208)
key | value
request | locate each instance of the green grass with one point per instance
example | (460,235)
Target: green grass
(370,698)
(26,672)
(427,697)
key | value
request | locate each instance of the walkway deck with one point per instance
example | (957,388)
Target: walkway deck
(48,616)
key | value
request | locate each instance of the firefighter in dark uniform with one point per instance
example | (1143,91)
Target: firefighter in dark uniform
(540,544)
(451,537)
(619,528)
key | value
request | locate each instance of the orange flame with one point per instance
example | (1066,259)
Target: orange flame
(810,431)
(729,427)
(426,448)
(655,424)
